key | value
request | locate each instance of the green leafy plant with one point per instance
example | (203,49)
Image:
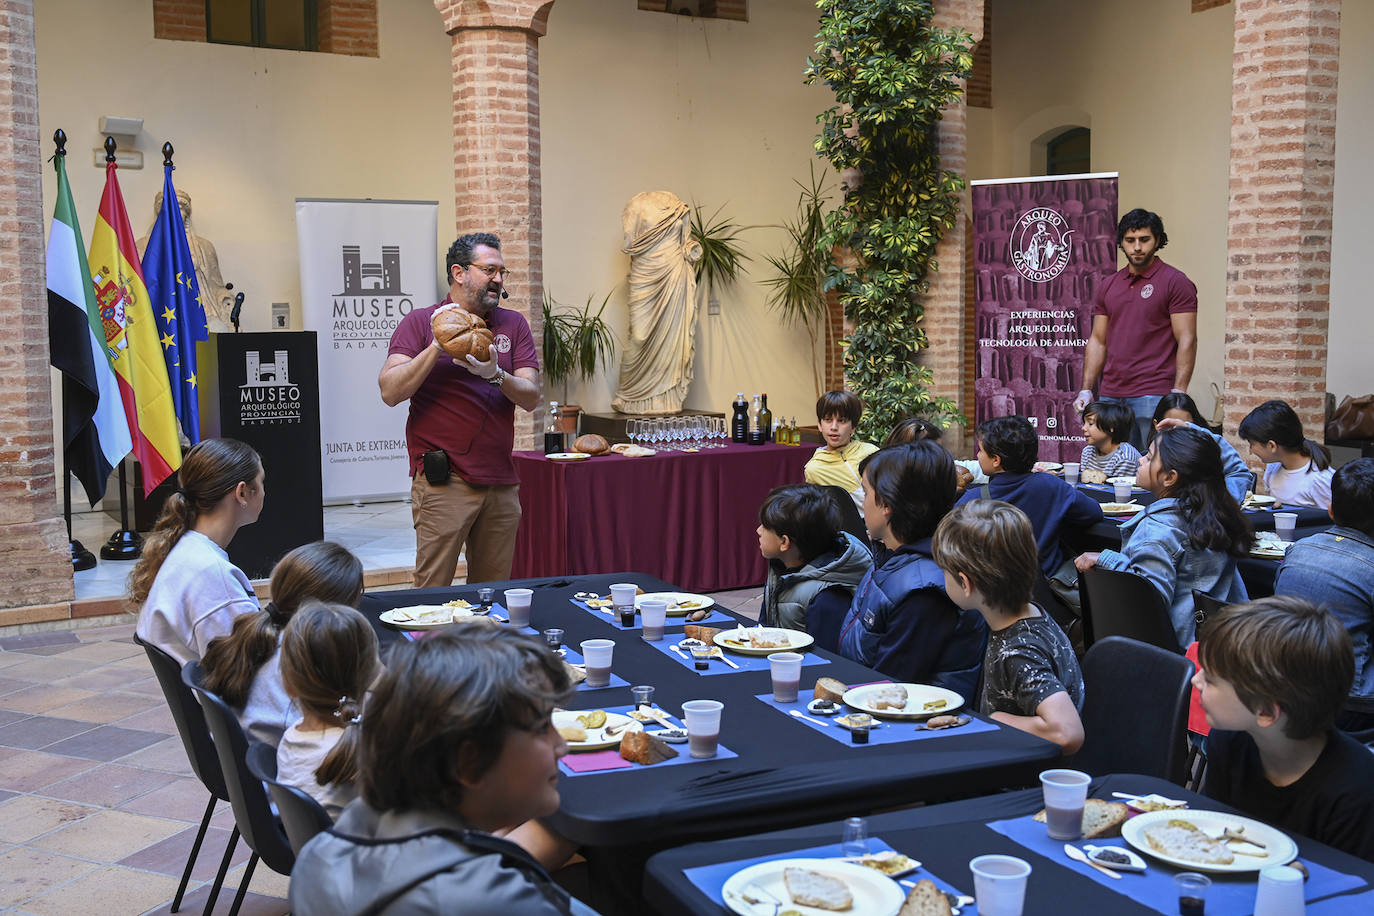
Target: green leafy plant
(722,257)
(797,289)
(576,343)
(892,73)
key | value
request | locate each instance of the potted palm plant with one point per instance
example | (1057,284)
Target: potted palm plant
(797,287)
(576,343)
(721,254)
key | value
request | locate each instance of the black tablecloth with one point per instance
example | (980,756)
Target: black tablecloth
(944,838)
(786,774)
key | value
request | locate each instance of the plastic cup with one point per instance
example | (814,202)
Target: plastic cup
(484,595)
(1122,491)
(596,653)
(1071,473)
(1280,892)
(1285,523)
(518,606)
(703,726)
(644,695)
(701,657)
(999,884)
(623,596)
(1192,893)
(554,637)
(859,725)
(855,842)
(786,670)
(1066,792)
(654,615)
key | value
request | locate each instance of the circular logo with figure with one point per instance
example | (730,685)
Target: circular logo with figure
(1041,244)
(1147,290)
(501,343)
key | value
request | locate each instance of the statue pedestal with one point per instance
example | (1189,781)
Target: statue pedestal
(612,425)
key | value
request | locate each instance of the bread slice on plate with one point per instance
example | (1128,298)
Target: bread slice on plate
(811,888)
(1101,819)
(827,688)
(705,634)
(926,899)
(1179,839)
(639,747)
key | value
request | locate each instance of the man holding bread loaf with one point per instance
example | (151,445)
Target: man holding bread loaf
(464,365)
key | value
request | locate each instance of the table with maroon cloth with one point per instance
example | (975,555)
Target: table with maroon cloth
(685,517)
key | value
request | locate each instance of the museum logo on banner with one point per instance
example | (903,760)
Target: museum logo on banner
(267,394)
(1041,244)
(372,302)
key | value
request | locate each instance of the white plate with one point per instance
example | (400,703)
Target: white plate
(1279,847)
(597,739)
(567,456)
(730,641)
(1267,553)
(1052,467)
(680,604)
(1258,502)
(1121,508)
(441,616)
(875,894)
(1123,479)
(917,695)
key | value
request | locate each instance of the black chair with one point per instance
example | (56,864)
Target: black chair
(1147,735)
(252,813)
(1118,603)
(301,815)
(200,750)
(850,518)
(1206,606)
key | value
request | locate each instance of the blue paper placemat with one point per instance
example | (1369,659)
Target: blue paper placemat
(1343,906)
(745,662)
(716,617)
(1229,893)
(573,658)
(889,731)
(722,752)
(710,879)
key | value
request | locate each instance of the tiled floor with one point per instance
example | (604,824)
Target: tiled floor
(98,806)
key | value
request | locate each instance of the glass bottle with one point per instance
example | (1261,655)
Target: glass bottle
(739,423)
(553,434)
(755,434)
(765,421)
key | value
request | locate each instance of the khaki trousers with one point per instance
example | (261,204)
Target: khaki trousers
(451,515)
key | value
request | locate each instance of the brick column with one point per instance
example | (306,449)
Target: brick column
(496,164)
(1283,154)
(944,304)
(35,562)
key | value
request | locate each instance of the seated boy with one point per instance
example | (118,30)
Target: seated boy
(1007,449)
(1031,678)
(1106,427)
(813,566)
(1336,568)
(836,463)
(1272,675)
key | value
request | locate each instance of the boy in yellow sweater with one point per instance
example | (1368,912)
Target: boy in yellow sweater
(836,463)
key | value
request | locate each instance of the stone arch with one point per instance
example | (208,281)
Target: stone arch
(1028,138)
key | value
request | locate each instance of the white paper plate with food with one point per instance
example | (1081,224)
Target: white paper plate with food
(423,616)
(568,456)
(1121,508)
(763,640)
(592,729)
(1050,467)
(903,701)
(800,884)
(1258,501)
(1125,478)
(679,603)
(1270,546)
(1209,840)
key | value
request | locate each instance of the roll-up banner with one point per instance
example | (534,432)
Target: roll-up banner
(364,265)
(1042,247)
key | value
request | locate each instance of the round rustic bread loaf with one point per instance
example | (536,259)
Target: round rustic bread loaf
(592,444)
(461,333)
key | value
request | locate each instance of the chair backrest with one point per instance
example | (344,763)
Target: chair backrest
(190,720)
(850,519)
(1118,603)
(301,815)
(252,813)
(1146,735)
(1206,605)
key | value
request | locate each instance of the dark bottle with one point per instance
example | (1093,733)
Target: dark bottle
(553,434)
(765,422)
(739,423)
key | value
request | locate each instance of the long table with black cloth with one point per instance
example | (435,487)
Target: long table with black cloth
(943,838)
(785,772)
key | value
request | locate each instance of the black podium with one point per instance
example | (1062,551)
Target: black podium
(269,397)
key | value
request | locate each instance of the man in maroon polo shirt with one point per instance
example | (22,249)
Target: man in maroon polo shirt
(1144,336)
(461,427)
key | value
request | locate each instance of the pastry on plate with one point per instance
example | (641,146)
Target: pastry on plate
(811,888)
(1179,839)
(891,696)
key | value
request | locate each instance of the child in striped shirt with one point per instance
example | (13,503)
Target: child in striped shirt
(1106,426)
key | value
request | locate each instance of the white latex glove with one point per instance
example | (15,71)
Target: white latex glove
(486,370)
(1080,403)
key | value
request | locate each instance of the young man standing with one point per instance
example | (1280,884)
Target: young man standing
(1144,334)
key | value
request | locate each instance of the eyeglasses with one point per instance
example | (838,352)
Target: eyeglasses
(492,271)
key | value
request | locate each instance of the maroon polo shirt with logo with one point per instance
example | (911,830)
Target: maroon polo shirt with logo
(454,410)
(1141,349)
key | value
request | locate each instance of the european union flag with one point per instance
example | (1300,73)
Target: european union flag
(170,275)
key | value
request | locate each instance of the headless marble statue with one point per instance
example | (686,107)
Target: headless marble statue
(215,296)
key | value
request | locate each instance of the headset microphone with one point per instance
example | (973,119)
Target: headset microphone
(504,294)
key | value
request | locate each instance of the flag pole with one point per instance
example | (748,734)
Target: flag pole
(124,544)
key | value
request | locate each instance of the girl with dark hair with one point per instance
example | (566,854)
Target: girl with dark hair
(901,622)
(1177,408)
(243,668)
(328,661)
(1297,470)
(186,589)
(1190,537)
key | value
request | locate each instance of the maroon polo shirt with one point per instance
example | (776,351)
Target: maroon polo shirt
(1141,349)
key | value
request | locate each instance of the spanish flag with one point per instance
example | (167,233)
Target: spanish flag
(131,338)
